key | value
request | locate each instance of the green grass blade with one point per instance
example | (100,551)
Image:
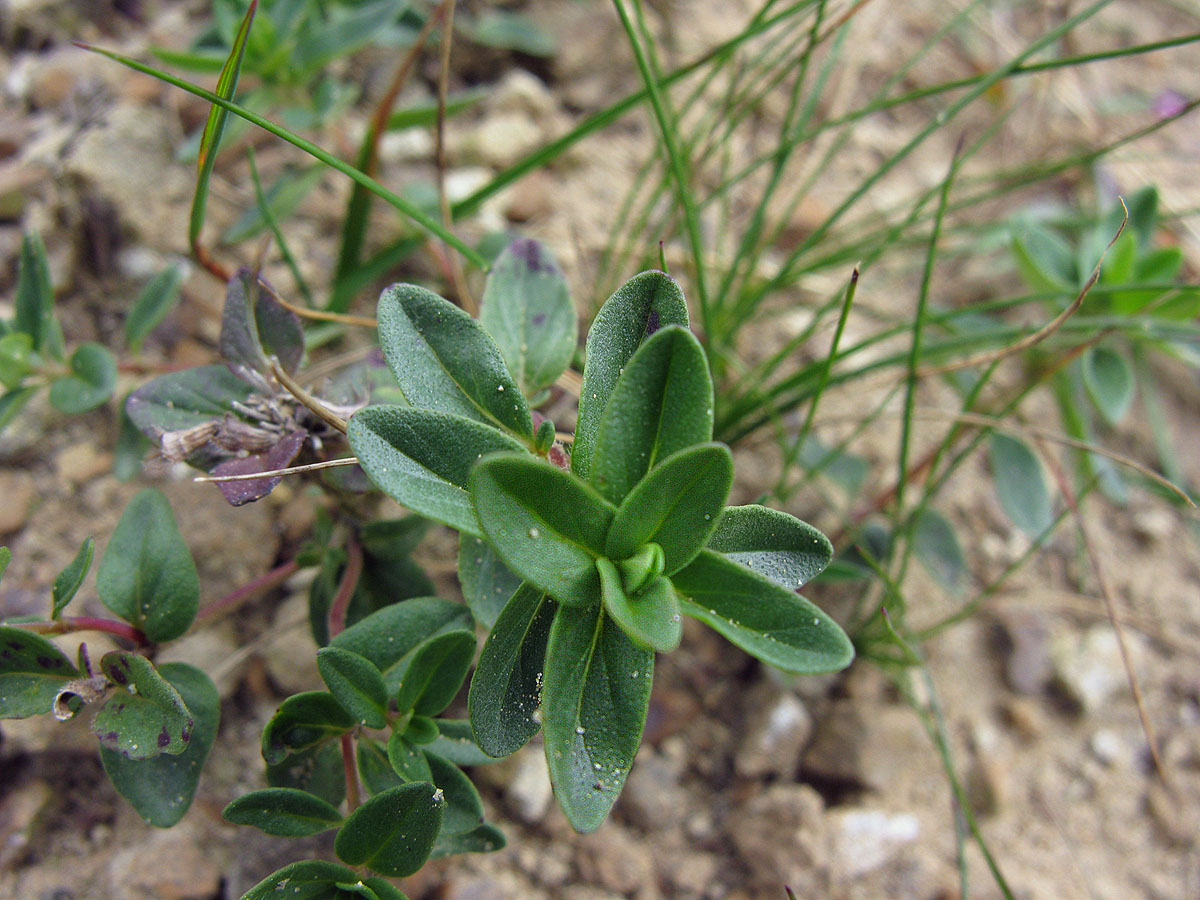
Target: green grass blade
(408,209)
(210,140)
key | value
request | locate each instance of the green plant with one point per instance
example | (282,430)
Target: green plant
(598,554)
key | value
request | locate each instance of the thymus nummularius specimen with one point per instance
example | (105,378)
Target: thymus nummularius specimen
(609,553)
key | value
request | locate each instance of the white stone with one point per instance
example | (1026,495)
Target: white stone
(866,839)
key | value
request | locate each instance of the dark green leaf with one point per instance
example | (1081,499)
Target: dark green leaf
(484,839)
(546,524)
(436,671)
(70,578)
(464,809)
(92,380)
(506,688)
(34,305)
(285,812)
(1020,484)
(762,617)
(662,403)
(393,538)
(772,543)
(594,700)
(319,771)
(445,361)
(422,458)
(1109,382)
(638,309)
(157,298)
(388,636)
(422,730)
(407,759)
(161,789)
(185,399)
(486,582)
(527,310)
(356,683)
(456,743)
(677,506)
(393,832)
(303,721)
(147,576)
(650,617)
(374,766)
(317,880)
(255,327)
(32,670)
(146,716)
(936,545)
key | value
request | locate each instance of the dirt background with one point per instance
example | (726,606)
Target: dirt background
(747,780)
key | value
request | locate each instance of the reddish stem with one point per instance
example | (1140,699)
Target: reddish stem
(341,600)
(69,624)
(259,585)
(352,794)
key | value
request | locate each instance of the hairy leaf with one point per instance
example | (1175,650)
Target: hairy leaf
(422,458)
(677,506)
(146,716)
(595,698)
(356,683)
(772,543)
(445,361)
(527,310)
(637,310)
(650,617)
(546,524)
(506,689)
(765,619)
(314,879)
(303,721)
(285,812)
(393,832)
(436,671)
(661,403)
(486,582)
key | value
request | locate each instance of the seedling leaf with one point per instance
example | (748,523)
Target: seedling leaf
(772,543)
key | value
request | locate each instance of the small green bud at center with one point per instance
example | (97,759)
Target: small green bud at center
(639,570)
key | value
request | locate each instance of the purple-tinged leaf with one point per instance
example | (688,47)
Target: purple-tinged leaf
(255,327)
(239,493)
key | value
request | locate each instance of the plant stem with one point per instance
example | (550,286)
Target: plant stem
(259,585)
(69,624)
(345,591)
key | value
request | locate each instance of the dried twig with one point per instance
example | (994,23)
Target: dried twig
(310,402)
(272,473)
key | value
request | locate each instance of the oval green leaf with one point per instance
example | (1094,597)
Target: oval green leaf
(677,506)
(161,789)
(464,808)
(422,458)
(1108,378)
(436,671)
(91,383)
(661,403)
(147,575)
(937,547)
(456,742)
(546,524)
(303,721)
(594,701)
(406,759)
(528,311)
(314,879)
(1020,484)
(762,617)
(638,309)
(388,636)
(486,581)
(393,832)
(772,543)
(356,683)
(284,812)
(506,689)
(444,360)
(319,771)
(650,617)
